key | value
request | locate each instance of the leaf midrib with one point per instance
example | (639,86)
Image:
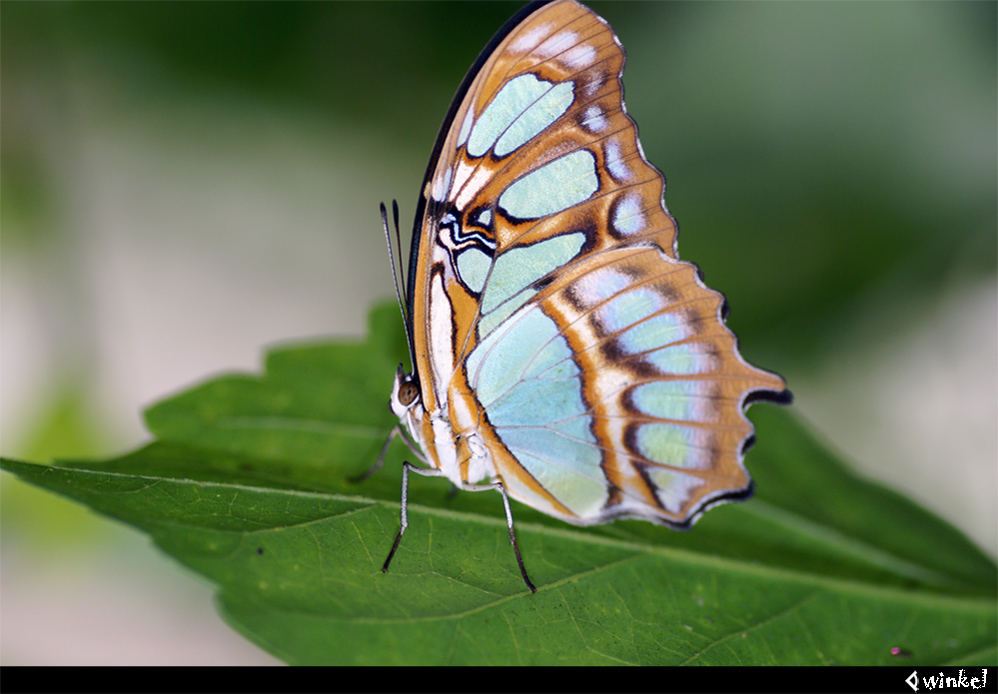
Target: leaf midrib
(970,603)
(851,546)
(859,549)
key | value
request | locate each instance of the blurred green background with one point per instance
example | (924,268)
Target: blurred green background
(184,184)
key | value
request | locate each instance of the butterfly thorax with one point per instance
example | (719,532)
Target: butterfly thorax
(462,456)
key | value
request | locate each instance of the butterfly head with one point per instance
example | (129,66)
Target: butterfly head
(405,395)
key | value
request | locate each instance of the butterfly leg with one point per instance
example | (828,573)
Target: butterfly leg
(396,431)
(498,486)
(381,457)
(404,513)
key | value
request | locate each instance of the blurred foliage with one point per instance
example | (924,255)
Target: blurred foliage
(822,157)
(65,426)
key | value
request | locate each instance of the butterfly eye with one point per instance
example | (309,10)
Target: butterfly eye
(408,392)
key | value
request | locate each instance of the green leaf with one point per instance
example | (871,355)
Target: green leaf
(248,483)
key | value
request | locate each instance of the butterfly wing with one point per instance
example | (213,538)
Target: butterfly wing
(552,320)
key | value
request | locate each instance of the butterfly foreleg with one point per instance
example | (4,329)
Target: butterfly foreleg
(499,487)
(403,513)
(397,430)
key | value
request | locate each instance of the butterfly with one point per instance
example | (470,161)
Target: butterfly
(563,355)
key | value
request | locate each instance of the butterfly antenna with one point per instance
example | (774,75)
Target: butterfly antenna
(396,268)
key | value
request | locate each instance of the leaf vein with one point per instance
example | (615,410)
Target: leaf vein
(791,609)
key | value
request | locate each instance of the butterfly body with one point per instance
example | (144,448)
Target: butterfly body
(561,349)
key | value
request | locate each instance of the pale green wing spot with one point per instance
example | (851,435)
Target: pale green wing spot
(655,332)
(551,363)
(494,318)
(499,361)
(615,162)
(556,186)
(542,113)
(673,488)
(681,400)
(630,307)
(513,99)
(462,135)
(671,444)
(473,267)
(627,217)
(600,284)
(532,401)
(569,469)
(518,268)
(541,420)
(685,359)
